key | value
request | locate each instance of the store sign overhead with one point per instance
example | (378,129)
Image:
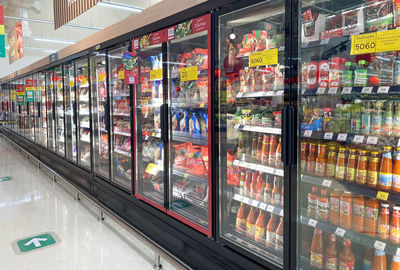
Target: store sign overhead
(66,10)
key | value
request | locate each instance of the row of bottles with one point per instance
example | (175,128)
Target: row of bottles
(353,165)
(262,187)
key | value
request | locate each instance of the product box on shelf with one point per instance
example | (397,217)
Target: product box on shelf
(312,26)
(379,15)
(353,21)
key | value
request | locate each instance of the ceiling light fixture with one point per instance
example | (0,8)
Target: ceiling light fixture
(53,40)
(120,6)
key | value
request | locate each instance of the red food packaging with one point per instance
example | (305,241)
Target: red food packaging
(233,172)
(195,160)
(323,79)
(335,72)
(204,153)
(181,158)
(312,75)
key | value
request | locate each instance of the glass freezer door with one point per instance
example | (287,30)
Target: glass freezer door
(189,128)
(349,122)
(50,110)
(70,111)
(250,88)
(149,97)
(42,108)
(100,114)
(60,125)
(121,120)
(83,112)
(37,99)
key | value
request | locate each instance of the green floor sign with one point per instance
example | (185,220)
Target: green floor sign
(5,178)
(35,242)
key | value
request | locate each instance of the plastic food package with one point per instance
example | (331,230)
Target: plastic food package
(379,15)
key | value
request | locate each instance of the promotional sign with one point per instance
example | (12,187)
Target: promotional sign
(2,34)
(129,61)
(189,27)
(263,58)
(29,90)
(382,41)
(20,95)
(15,41)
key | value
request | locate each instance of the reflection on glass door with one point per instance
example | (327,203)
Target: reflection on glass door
(150,185)
(50,110)
(83,112)
(250,93)
(42,109)
(37,100)
(60,126)
(121,120)
(100,114)
(70,111)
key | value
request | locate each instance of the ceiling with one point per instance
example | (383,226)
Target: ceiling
(39,37)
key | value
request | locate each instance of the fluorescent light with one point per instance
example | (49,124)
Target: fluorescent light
(53,40)
(120,6)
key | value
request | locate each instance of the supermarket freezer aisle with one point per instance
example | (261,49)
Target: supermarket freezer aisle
(32,204)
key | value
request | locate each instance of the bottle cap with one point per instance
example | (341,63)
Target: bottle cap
(363,151)
(374,153)
(332,148)
(386,205)
(347,64)
(387,147)
(352,151)
(361,62)
(342,149)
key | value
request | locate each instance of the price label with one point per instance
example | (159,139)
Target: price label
(381,195)
(240,94)
(236,126)
(255,203)
(332,90)
(325,41)
(362,44)
(270,208)
(340,232)
(358,139)
(152,169)
(387,40)
(185,175)
(237,197)
(84,81)
(383,90)
(263,58)
(346,90)
(328,135)
(188,74)
(121,74)
(202,105)
(263,206)
(59,85)
(156,74)
(101,77)
(312,222)
(246,200)
(366,90)
(71,83)
(279,93)
(379,245)
(326,183)
(320,90)
(372,140)
(236,162)
(342,137)
(307,133)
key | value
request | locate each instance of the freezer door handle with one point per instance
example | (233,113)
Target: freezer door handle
(164,123)
(39,109)
(288,135)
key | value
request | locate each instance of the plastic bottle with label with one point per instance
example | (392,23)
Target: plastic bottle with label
(376,118)
(260,226)
(395,225)
(268,189)
(334,212)
(241,219)
(351,166)
(371,217)
(253,185)
(242,181)
(396,172)
(388,119)
(331,162)
(347,75)
(259,147)
(341,164)
(361,74)
(362,166)
(273,143)
(311,158)
(304,150)
(366,118)
(317,249)
(358,213)
(265,149)
(373,169)
(396,120)
(271,231)
(355,123)
(250,223)
(323,205)
(346,210)
(395,265)
(386,172)
(278,155)
(320,162)
(346,258)
(379,261)
(331,260)
(279,236)
(384,223)
(247,183)
(260,186)
(345,120)
(276,191)
(312,203)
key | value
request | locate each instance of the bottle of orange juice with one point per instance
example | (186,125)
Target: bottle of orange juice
(396,172)
(386,171)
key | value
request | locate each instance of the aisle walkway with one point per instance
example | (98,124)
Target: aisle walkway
(32,204)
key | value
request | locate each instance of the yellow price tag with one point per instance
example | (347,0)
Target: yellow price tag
(201,105)
(71,83)
(388,40)
(51,86)
(1,29)
(59,85)
(362,44)
(263,58)
(382,195)
(101,77)
(188,74)
(153,134)
(121,75)
(156,74)
(186,175)
(152,169)
(84,81)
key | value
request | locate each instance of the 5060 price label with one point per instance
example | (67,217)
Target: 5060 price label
(263,58)
(188,74)
(362,44)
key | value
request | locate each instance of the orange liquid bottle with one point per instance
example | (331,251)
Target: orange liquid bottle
(320,162)
(279,236)
(395,263)
(250,223)
(346,210)
(373,169)
(241,219)
(383,224)
(341,164)
(303,156)
(272,150)
(331,260)
(371,217)
(312,203)
(395,225)
(346,258)
(323,205)
(379,261)
(271,231)
(311,158)
(334,213)
(351,166)
(317,249)
(362,166)
(259,232)
(396,172)
(247,183)
(278,155)
(260,186)
(253,185)
(259,147)
(385,175)
(268,189)
(265,150)
(276,192)
(331,163)
(358,213)
(242,180)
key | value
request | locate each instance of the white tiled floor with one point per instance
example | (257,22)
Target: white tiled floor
(31,203)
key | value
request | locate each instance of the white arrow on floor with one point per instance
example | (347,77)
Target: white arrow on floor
(36,242)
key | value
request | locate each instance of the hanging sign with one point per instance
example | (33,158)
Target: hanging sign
(263,58)
(131,75)
(187,28)
(2,34)
(188,74)
(29,90)
(382,41)
(155,74)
